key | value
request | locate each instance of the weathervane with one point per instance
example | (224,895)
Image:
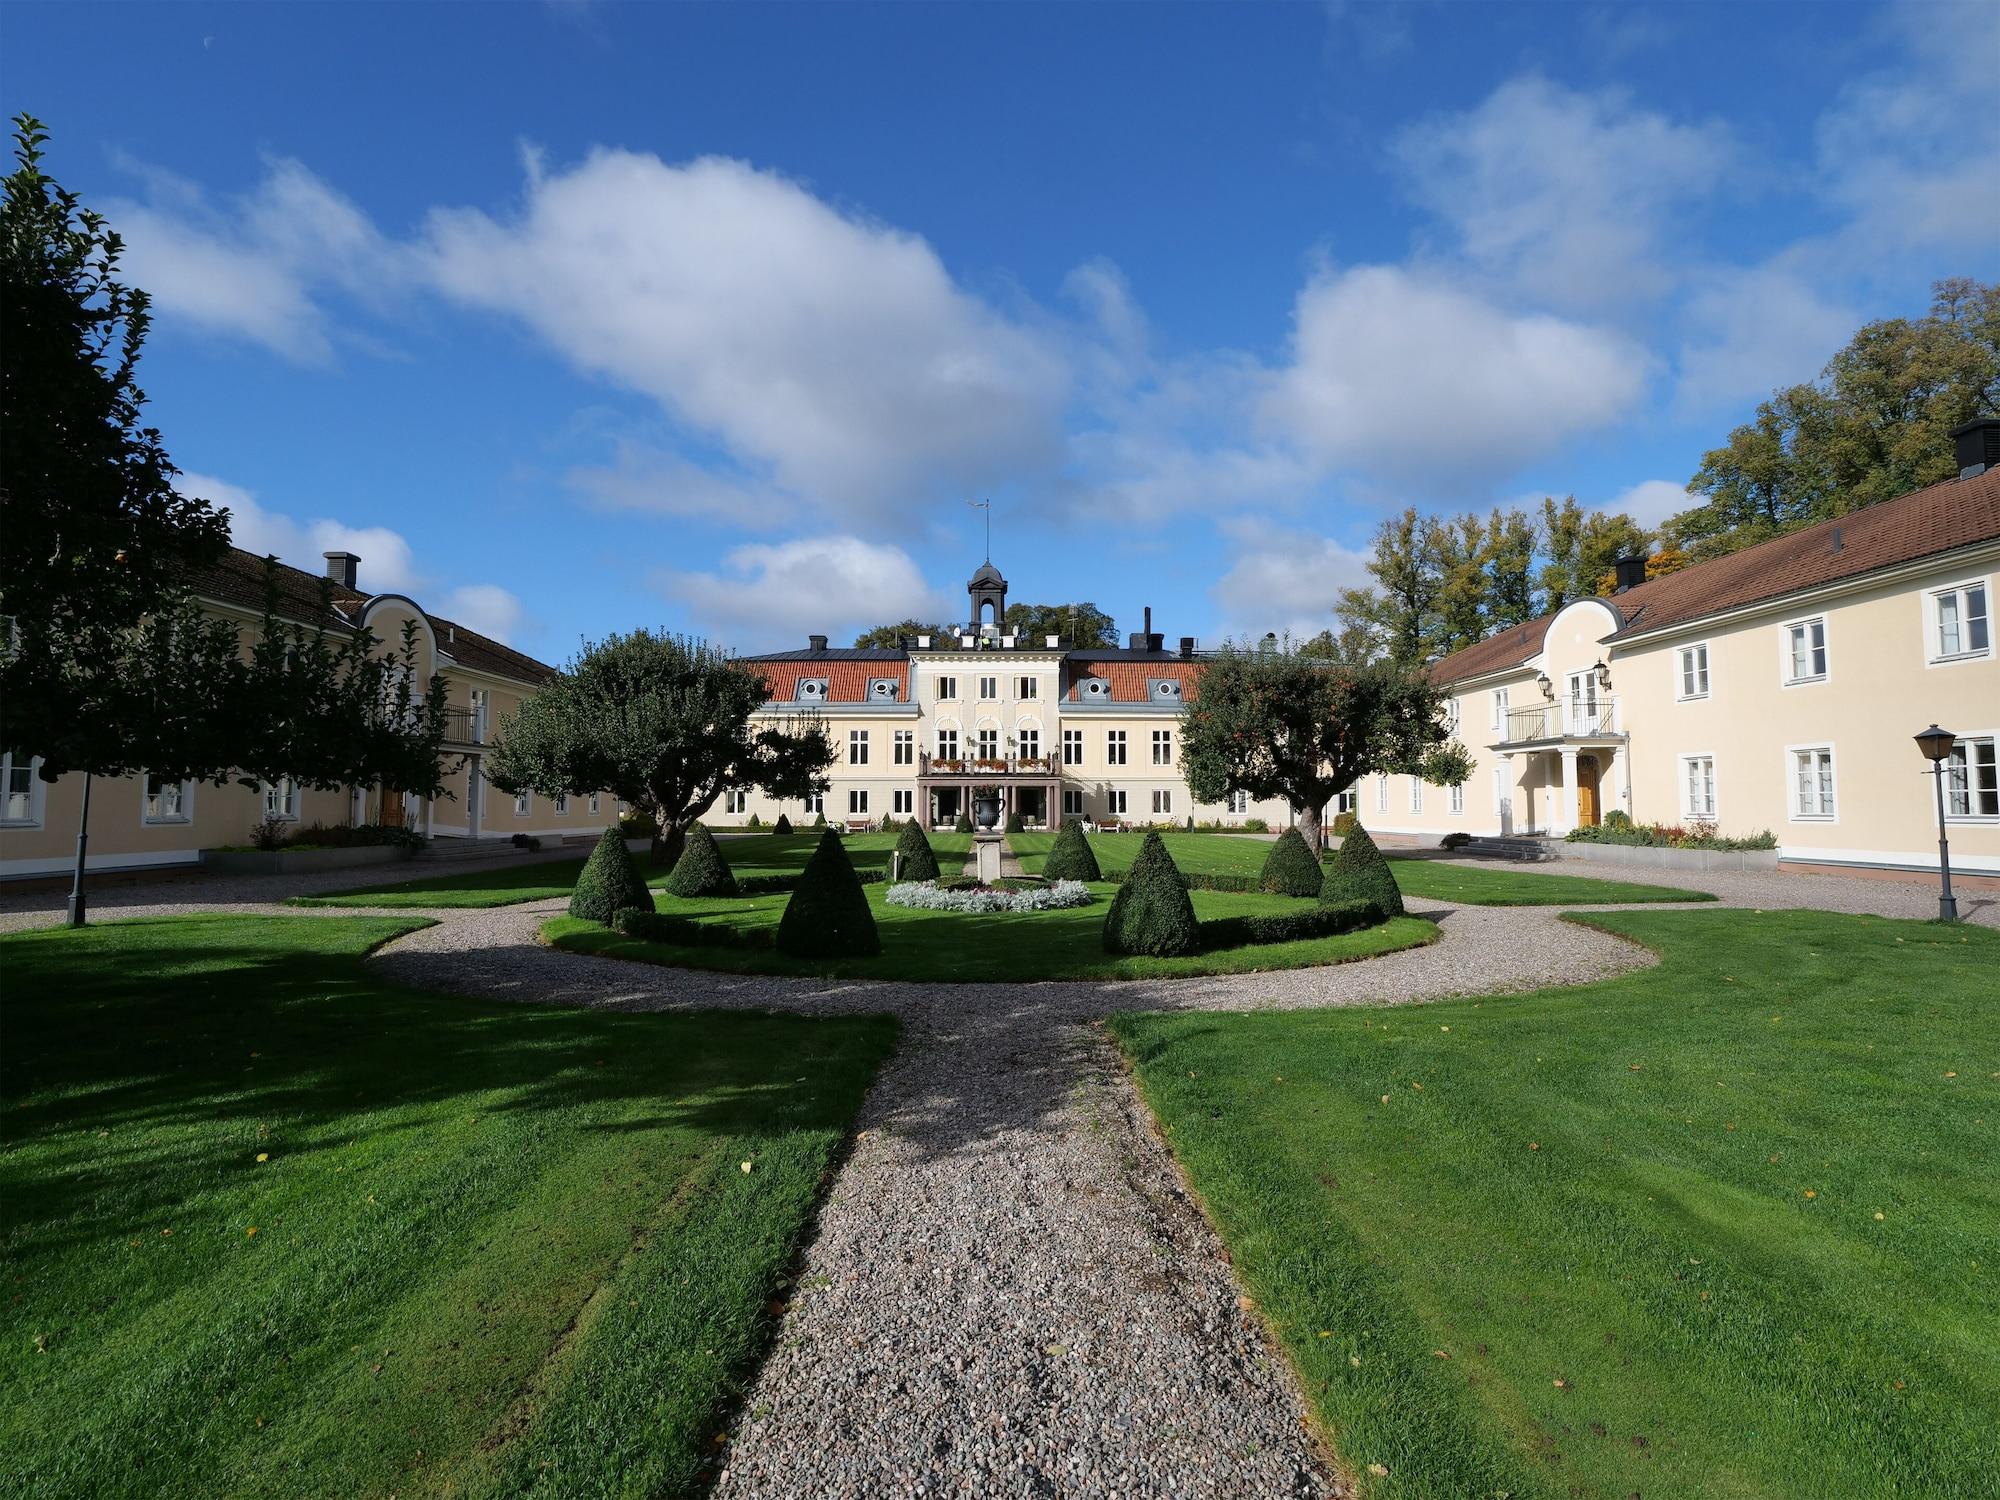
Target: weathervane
(987,506)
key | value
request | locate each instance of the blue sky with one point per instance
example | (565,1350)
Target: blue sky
(577,317)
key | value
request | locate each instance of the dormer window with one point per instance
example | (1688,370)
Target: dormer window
(1163,690)
(883,689)
(813,689)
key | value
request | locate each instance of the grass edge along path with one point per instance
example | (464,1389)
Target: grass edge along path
(1718,1227)
(276,1223)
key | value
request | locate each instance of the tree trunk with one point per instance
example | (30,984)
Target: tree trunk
(1310,828)
(668,844)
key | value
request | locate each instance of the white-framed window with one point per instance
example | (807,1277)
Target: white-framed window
(524,804)
(1381,794)
(1972,779)
(903,800)
(947,741)
(1030,741)
(1024,687)
(1072,801)
(1451,714)
(1163,747)
(857,800)
(281,799)
(1458,800)
(816,803)
(1693,674)
(562,804)
(1960,627)
(904,748)
(1346,802)
(1805,651)
(1114,801)
(1163,800)
(20,792)
(1072,747)
(1499,697)
(481,701)
(1237,802)
(947,687)
(1698,786)
(1416,794)
(596,803)
(168,801)
(989,743)
(857,747)
(1812,782)
(1114,747)
(735,801)
(989,688)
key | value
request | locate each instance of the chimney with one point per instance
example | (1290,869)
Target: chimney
(1978,446)
(1631,572)
(816,642)
(344,568)
(1187,645)
(1136,641)
(1149,619)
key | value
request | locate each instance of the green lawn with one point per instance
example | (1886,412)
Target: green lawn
(1234,854)
(1725,1227)
(751,854)
(948,946)
(274,1228)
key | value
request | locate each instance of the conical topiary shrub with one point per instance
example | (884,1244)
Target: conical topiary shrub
(919,861)
(827,915)
(783,825)
(1360,873)
(701,869)
(1014,824)
(1151,913)
(1291,869)
(963,824)
(820,821)
(1070,857)
(609,883)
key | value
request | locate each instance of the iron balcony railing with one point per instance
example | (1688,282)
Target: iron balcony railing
(989,765)
(1566,718)
(465,726)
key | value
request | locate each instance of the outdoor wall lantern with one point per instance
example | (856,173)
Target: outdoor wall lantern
(1936,745)
(1548,688)
(1603,674)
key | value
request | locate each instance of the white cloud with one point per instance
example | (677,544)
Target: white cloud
(253,270)
(649,480)
(837,353)
(1565,195)
(1409,378)
(388,562)
(779,593)
(1651,501)
(1749,331)
(1283,580)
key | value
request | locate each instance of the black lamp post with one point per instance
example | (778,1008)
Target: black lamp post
(1936,744)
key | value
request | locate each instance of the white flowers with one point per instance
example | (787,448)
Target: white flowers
(928,895)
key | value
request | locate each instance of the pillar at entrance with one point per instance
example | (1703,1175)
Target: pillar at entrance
(1570,810)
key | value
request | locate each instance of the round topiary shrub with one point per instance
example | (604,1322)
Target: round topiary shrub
(963,824)
(701,869)
(1344,824)
(827,915)
(609,883)
(1070,857)
(783,825)
(1014,824)
(1291,868)
(1151,914)
(1360,873)
(919,860)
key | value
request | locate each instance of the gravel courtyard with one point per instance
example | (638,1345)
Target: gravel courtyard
(1010,1291)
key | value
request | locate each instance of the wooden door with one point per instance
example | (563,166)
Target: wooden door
(1587,775)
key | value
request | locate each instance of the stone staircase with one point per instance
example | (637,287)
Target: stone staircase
(1531,848)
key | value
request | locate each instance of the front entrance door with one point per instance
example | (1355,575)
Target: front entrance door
(1587,777)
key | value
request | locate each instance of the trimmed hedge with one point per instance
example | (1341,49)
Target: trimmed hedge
(962,824)
(1151,914)
(701,870)
(1323,920)
(609,882)
(1358,872)
(919,859)
(1344,824)
(783,825)
(828,915)
(1070,857)
(1291,868)
(685,932)
(1014,824)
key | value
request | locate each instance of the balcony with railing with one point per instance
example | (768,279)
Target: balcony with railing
(1563,719)
(990,765)
(465,726)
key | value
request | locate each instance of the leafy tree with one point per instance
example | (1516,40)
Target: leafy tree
(1580,546)
(1398,610)
(1278,724)
(1291,868)
(1358,872)
(1152,914)
(827,914)
(1458,544)
(1070,857)
(1876,424)
(1356,643)
(663,722)
(918,859)
(701,870)
(1510,570)
(884,637)
(1082,625)
(608,882)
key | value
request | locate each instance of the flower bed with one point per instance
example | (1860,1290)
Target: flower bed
(928,895)
(1697,835)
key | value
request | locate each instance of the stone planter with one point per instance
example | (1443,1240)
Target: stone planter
(298,861)
(1648,856)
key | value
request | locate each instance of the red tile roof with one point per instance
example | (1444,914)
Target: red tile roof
(847,681)
(1128,679)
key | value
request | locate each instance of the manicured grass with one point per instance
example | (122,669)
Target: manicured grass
(1202,853)
(1725,1227)
(951,946)
(274,1228)
(751,854)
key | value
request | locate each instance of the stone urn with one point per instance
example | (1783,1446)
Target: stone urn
(986,810)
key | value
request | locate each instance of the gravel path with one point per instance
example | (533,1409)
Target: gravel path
(1009,1292)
